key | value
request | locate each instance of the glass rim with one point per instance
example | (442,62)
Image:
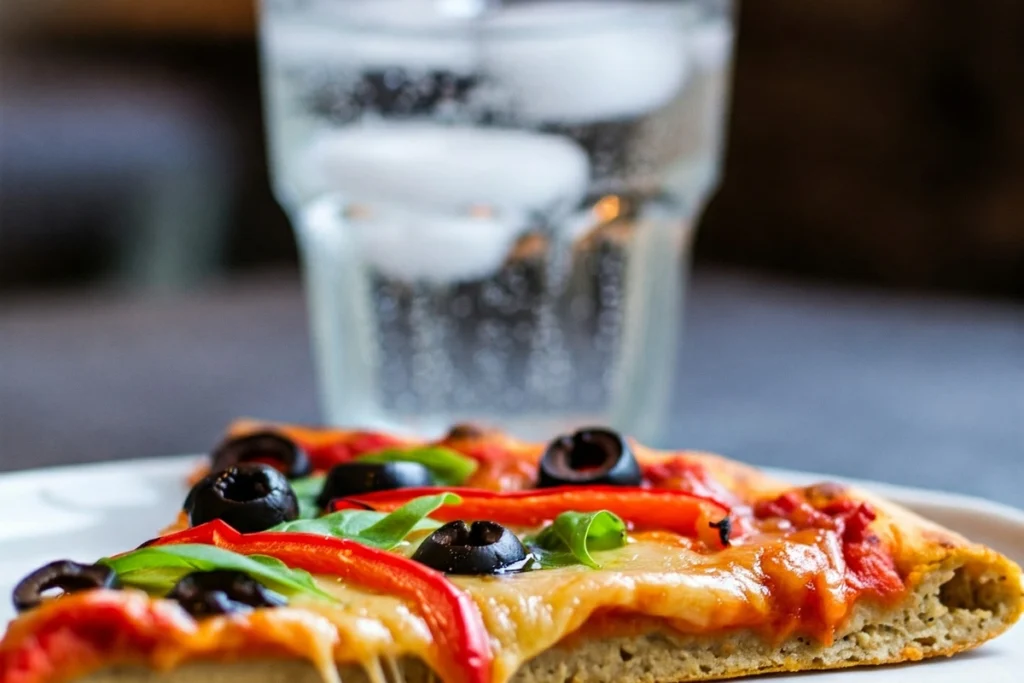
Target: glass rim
(343,15)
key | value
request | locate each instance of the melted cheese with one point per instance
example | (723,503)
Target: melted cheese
(772,584)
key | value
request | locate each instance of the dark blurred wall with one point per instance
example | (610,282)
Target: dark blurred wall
(879,140)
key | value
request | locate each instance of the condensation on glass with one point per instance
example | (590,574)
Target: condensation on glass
(494,201)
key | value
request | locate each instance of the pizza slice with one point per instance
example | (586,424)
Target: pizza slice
(313,555)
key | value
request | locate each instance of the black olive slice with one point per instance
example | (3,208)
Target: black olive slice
(266,447)
(66,575)
(222,591)
(589,457)
(353,478)
(480,548)
(249,497)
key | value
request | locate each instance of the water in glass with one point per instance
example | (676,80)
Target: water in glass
(494,201)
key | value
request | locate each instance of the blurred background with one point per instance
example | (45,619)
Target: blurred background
(858,302)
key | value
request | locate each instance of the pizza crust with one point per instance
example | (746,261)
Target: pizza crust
(955,607)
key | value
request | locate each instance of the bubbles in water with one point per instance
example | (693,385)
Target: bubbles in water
(461,306)
(431,366)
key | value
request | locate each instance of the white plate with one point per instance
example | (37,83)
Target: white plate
(88,511)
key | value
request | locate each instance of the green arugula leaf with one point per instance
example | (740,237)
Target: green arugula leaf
(447,467)
(307,489)
(574,535)
(389,531)
(157,568)
(378,529)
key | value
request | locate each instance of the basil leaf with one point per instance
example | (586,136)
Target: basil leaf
(389,532)
(157,568)
(157,580)
(575,534)
(447,467)
(307,489)
(343,524)
(378,529)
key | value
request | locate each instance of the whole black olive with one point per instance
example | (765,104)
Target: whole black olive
(353,478)
(249,497)
(222,591)
(587,458)
(267,447)
(69,576)
(480,548)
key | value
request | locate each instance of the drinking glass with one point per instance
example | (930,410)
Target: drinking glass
(494,201)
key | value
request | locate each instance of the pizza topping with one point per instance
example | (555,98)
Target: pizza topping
(248,497)
(352,478)
(685,473)
(824,493)
(307,491)
(501,468)
(463,646)
(447,467)
(589,457)
(465,431)
(795,563)
(802,513)
(869,562)
(477,548)
(724,527)
(68,576)
(222,591)
(157,568)
(379,529)
(573,535)
(326,450)
(382,470)
(266,447)
(642,509)
(68,639)
(716,532)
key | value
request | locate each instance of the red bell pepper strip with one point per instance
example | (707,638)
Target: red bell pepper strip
(683,473)
(500,468)
(325,446)
(675,511)
(463,645)
(326,454)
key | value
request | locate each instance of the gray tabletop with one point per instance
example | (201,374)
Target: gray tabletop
(912,390)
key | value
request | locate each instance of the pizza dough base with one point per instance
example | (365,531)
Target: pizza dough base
(953,609)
